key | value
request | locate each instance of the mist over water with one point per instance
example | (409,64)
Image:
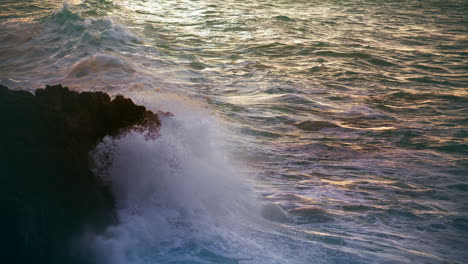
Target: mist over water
(303,131)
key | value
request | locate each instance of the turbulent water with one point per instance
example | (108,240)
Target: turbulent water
(303,131)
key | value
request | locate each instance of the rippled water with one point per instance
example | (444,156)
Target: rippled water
(351,116)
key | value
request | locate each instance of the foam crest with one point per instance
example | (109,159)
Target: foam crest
(71,22)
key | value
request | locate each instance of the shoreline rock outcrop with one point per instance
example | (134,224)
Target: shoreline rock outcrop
(49,194)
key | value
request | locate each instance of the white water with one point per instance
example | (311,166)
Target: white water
(171,192)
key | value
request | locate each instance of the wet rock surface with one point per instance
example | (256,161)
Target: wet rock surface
(48,194)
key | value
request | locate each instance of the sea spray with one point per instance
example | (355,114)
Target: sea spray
(178,191)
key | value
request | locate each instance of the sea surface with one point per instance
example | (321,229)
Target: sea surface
(305,131)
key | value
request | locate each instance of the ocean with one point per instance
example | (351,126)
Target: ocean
(306,131)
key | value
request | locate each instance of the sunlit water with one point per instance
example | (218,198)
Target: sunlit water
(304,131)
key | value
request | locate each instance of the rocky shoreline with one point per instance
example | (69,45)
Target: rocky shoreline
(49,194)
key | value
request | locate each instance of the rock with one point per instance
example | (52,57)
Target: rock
(49,196)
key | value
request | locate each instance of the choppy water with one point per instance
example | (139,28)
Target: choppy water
(346,121)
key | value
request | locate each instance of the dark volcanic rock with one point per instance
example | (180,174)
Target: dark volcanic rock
(48,193)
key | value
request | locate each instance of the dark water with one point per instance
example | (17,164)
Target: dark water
(346,121)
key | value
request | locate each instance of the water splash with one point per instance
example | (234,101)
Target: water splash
(176,191)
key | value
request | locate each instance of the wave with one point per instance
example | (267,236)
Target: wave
(181,197)
(175,194)
(70,47)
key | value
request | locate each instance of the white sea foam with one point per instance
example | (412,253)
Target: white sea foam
(172,191)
